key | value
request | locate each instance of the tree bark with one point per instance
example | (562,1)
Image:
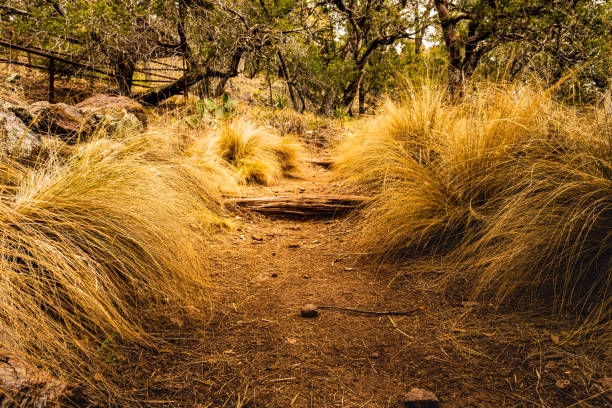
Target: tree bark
(362,97)
(285,71)
(463,55)
(453,49)
(351,90)
(124,73)
(190,78)
(327,106)
(157,95)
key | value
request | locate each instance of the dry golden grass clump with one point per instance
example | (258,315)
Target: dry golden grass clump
(369,155)
(92,245)
(254,154)
(552,240)
(311,129)
(286,121)
(506,187)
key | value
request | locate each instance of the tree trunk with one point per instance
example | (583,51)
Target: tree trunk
(156,95)
(453,48)
(233,71)
(285,72)
(362,98)
(301,206)
(455,80)
(327,106)
(463,56)
(190,78)
(351,90)
(124,72)
(220,88)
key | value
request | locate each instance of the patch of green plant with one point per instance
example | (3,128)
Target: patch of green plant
(208,106)
(225,109)
(105,345)
(281,102)
(340,112)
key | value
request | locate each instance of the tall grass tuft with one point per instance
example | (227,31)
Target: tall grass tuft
(92,245)
(508,187)
(552,239)
(255,154)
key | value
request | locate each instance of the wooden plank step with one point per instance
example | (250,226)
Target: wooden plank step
(22,385)
(324,162)
(301,206)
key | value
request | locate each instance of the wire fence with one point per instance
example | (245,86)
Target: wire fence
(153,73)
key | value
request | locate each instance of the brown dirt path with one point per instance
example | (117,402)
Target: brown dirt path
(258,352)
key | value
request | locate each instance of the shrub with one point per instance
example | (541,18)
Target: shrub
(552,239)
(89,244)
(439,169)
(255,154)
(506,187)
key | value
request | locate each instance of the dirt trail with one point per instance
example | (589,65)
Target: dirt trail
(272,267)
(258,352)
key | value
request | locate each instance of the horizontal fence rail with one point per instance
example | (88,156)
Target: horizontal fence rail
(104,73)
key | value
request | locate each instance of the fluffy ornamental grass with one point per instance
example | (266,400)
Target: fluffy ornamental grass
(506,187)
(91,246)
(254,154)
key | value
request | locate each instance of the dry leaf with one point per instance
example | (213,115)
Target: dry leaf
(177,321)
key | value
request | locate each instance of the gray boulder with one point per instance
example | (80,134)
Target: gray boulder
(16,139)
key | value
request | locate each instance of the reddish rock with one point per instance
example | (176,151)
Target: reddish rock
(24,386)
(309,310)
(419,398)
(62,120)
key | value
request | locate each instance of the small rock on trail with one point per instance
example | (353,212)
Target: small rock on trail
(309,310)
(563,384)
(419,398)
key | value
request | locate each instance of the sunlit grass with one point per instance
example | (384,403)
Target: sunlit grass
(93,243)
(254,153)
(505,187)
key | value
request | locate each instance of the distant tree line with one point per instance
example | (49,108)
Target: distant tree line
(332,54)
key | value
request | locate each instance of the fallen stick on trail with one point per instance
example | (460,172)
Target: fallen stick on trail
(368,312)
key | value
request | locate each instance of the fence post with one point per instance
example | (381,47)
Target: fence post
(185,91)
(51,80)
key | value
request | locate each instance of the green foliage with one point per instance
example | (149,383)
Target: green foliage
(225,109)
(12,78)
(281,102)
(536,38)
(329,56)
(208,107)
